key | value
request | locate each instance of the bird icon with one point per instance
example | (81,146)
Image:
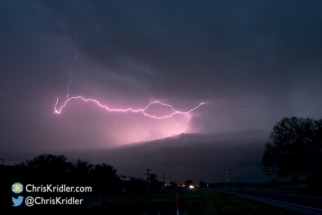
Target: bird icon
(17,201)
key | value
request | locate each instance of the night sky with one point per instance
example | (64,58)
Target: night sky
(250,62)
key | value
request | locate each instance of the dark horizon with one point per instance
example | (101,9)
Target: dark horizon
(209,157)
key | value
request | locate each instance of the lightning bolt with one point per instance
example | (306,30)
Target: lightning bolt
(143,110)
(70,74)
(174,112)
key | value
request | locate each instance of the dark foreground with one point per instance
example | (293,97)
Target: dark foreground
(161,202)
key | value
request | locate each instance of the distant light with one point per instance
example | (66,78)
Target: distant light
(207,185)
(191,186)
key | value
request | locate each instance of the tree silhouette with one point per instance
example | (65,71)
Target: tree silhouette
(51,167)
(104,170)
(82,167)
(153,177)
(104,174)
(47,163)
(202,184)
(154,182)
(173,185)
(188,183)
(294,150)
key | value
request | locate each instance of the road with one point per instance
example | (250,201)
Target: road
(309,205)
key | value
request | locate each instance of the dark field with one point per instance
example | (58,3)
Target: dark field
(191,202)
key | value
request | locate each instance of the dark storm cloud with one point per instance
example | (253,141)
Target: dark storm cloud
(231,54)
(233,48)
(175,50)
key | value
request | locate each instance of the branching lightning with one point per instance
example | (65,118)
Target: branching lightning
(174,112)
(143,110)
(70,74)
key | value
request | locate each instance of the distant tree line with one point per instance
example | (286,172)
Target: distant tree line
(48,168)
(294,151)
